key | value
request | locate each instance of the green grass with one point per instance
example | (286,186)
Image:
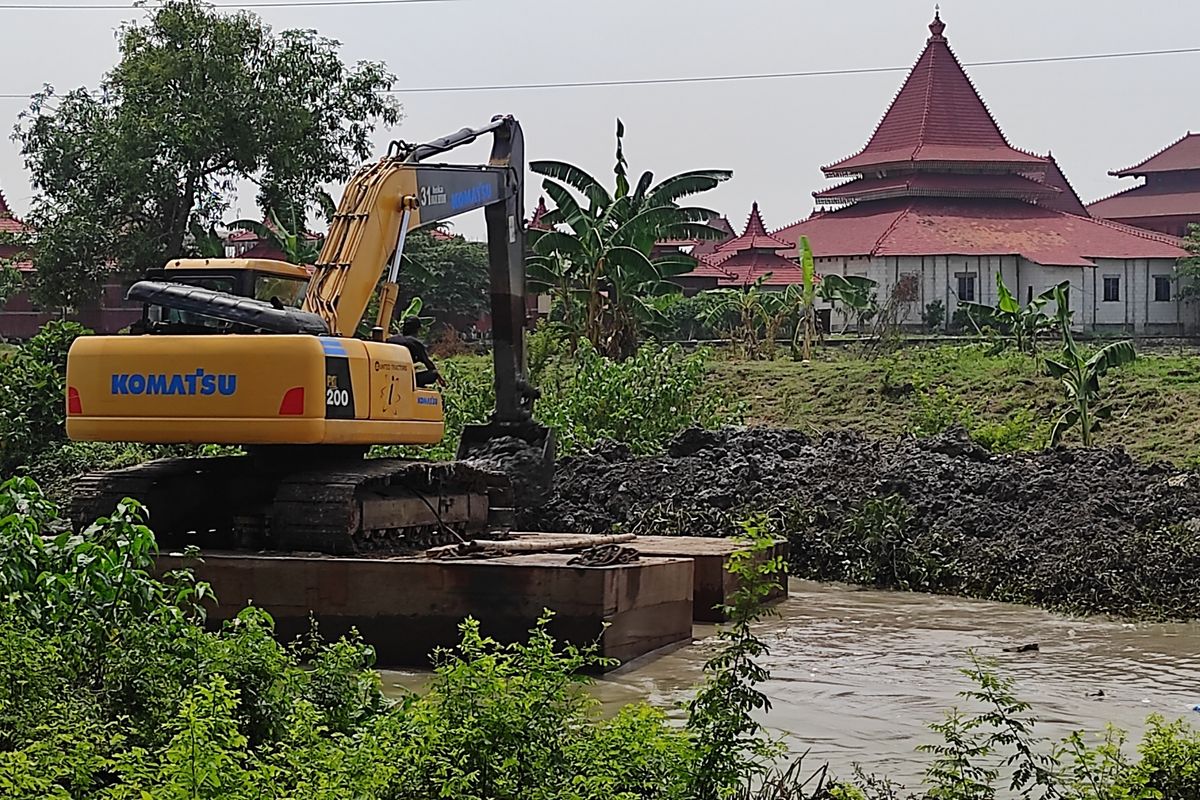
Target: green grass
(6,350)
(1006,396)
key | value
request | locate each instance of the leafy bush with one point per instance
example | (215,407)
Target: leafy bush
(1020,431)
(939,411)
(111,687)
(588,397)
(33,394)
(641,401)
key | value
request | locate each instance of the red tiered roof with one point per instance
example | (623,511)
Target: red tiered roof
(937,184)
(981,227)
(952,185)
(742,260)
(1169,199)
(937,118)
(1066,199)
(1182,154)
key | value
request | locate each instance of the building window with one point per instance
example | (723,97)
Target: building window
(1029,295)
(966,286)
(1112,288)
(1162,288)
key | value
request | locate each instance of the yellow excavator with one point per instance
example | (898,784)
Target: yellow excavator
(260,354)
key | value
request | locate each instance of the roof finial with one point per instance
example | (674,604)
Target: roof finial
(937,26)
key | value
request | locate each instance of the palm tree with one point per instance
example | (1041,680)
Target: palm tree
(598,258)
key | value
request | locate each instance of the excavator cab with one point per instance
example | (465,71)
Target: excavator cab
(264,355)
(279,283)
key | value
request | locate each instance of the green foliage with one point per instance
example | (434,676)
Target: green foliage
(854,295)
(877,545)
(938,411)
(450,275)
(110,687)
(730,744)
(588,397)
(32,394)
(1021,322)
(597,259)
(934,315)
(11,282)
(199,100)
(641,401)
(297,246)
(1187,270)
(1080,376)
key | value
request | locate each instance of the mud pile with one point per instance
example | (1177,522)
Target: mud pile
(1084,530)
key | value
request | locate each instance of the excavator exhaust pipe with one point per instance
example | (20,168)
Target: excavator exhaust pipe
(522,451)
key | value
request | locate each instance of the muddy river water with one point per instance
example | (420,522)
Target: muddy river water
(857,674)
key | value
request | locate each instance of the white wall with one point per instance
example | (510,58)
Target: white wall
(1136,310)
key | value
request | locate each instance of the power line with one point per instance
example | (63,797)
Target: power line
(742,77)
(280,4)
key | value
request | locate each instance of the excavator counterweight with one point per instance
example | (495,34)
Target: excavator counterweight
(220,358)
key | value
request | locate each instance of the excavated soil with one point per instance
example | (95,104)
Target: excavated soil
(1073,529)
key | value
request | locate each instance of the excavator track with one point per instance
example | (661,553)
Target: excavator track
(350,507)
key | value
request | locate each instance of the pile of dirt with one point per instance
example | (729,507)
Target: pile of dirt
(1085,530)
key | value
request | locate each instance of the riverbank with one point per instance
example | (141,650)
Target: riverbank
(1081,531)
(857,675)
(1005,400)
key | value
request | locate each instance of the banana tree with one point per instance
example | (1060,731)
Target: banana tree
(806,329)
(597,257)
(297,247)
(1080,376)
(745,314)
(1022,322)
(855,294)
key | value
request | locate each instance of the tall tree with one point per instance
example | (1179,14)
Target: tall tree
(199,100)
(597,259)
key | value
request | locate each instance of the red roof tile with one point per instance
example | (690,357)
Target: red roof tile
(936,117)
(754,237)
(706,268)
(937,184)
(1067,199)
(929,226)
(746,267)
(1148,201)
(1182,154)
(9,223)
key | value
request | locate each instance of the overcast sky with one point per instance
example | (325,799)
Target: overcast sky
(774,134)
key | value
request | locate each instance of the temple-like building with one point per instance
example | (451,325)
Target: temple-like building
(940,195)
(1169,200)
(743,260)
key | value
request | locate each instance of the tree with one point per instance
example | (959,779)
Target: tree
(1022,322)
(448,275)
(854,294)
(1080,376)
(597,259)
(199,100)
(1187,271)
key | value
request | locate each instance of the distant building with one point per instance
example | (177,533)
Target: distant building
(938,196)
(742,260)
(1169,200)
(20,318)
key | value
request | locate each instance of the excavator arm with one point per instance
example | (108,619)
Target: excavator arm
(385,200)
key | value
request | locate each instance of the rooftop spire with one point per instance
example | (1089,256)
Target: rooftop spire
(5,211)
(937,26)
(754,225)
(936,120)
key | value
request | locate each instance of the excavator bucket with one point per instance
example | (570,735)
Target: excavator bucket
(524,452)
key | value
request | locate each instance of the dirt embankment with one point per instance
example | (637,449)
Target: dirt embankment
(1082,530)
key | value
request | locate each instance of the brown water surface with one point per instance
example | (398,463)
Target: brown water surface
(857,674)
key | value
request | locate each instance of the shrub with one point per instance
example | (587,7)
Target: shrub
(641,401)
(33,394)
(939,411)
